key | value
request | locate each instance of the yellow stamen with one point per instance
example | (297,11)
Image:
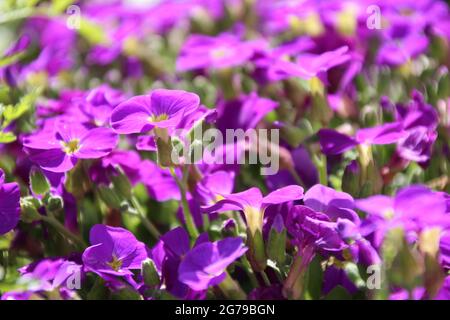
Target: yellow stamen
(389,214)
(159,117)
(115,264)
(220,53)
(310,25)
(71,147)
(219,197)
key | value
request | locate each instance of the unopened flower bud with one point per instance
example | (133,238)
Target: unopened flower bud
(255,241)
(29,209)
(295,135)
(55,203)
(351,270)
(351,180)
(276,245)
(38,182)
(150,273)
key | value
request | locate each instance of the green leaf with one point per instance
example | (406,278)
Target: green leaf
(315,279)
(11,113)
(338,293)
(6,61)
(92,32)
(60,6)
(7,137)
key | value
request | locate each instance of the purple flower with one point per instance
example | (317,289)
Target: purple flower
(444,250)
(420,121)
(113,252)
(385,213)
(243,113)
(189,272)
(297,162)
(99,103)
(333,142)
(308,65)
(281,16)
(268,60)
(162,109)
(404,39)
(9,205)
(10,73)
(328,222)
(417,145)
(314,229)
(159,182)
(333,203)
(396,52)
(47,275)
(444,292)
(129,161)
(58,148)
(223,51)
(56,41)
(175,247)
(253,203)
(334,276)
(214,186)
(205,264)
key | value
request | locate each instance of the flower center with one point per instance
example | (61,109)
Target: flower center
(159,117)
(71,147)
(310,25)
(389,214)
(115,263)
(220,53)
(219,197)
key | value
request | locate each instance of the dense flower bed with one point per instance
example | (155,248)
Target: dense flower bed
(225,149)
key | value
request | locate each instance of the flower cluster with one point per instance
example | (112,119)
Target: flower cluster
(97,201)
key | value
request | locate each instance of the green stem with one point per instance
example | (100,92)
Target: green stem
(63,231)
(240,224)
(14,15)
(231,289)
(190,224)
(206,222)
(248,269)
(147,223)
(265,278)
(321,164)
